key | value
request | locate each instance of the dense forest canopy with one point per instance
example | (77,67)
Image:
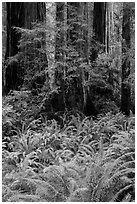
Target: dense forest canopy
(68,88)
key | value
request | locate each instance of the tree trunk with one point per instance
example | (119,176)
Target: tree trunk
(99,25)
(125,88)
(4,38)
(60,56)
(19,14)
(15,17)
(90,27)
(51,40)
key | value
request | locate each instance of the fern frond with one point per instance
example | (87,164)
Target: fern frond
(120,174)
(46,191)
(87,149)
(120,192)
(79,195)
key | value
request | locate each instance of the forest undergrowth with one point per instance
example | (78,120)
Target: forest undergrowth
(67,158)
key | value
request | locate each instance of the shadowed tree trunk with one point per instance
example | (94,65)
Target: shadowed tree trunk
(15,17)
(59,103)
(125,88)
(77,19)
(19,14)
(99,24)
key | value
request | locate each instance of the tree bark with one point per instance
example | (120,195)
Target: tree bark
(60,56)
(15,17)
(51,40)
(99,25)
(90,6)
(19,14)
(4,38)
(125,88)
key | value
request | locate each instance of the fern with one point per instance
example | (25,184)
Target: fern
(91,165)
(79,195)
(25,198)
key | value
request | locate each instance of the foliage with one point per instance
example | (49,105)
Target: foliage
(53,155)
(72,72)
(32,55)
(87,160)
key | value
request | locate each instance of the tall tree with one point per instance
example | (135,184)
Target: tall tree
(125,88)
(90,8)
(95,43)
(4,37)
(99,25)
(51,40)
(58,102)
(109,30)
(19,14)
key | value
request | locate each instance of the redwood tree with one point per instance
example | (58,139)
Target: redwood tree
(125,88)
(99,24)
(19,14)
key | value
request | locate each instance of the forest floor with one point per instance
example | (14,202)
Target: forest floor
(85,160)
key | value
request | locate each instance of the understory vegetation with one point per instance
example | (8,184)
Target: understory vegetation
(68,108)
(79,160)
